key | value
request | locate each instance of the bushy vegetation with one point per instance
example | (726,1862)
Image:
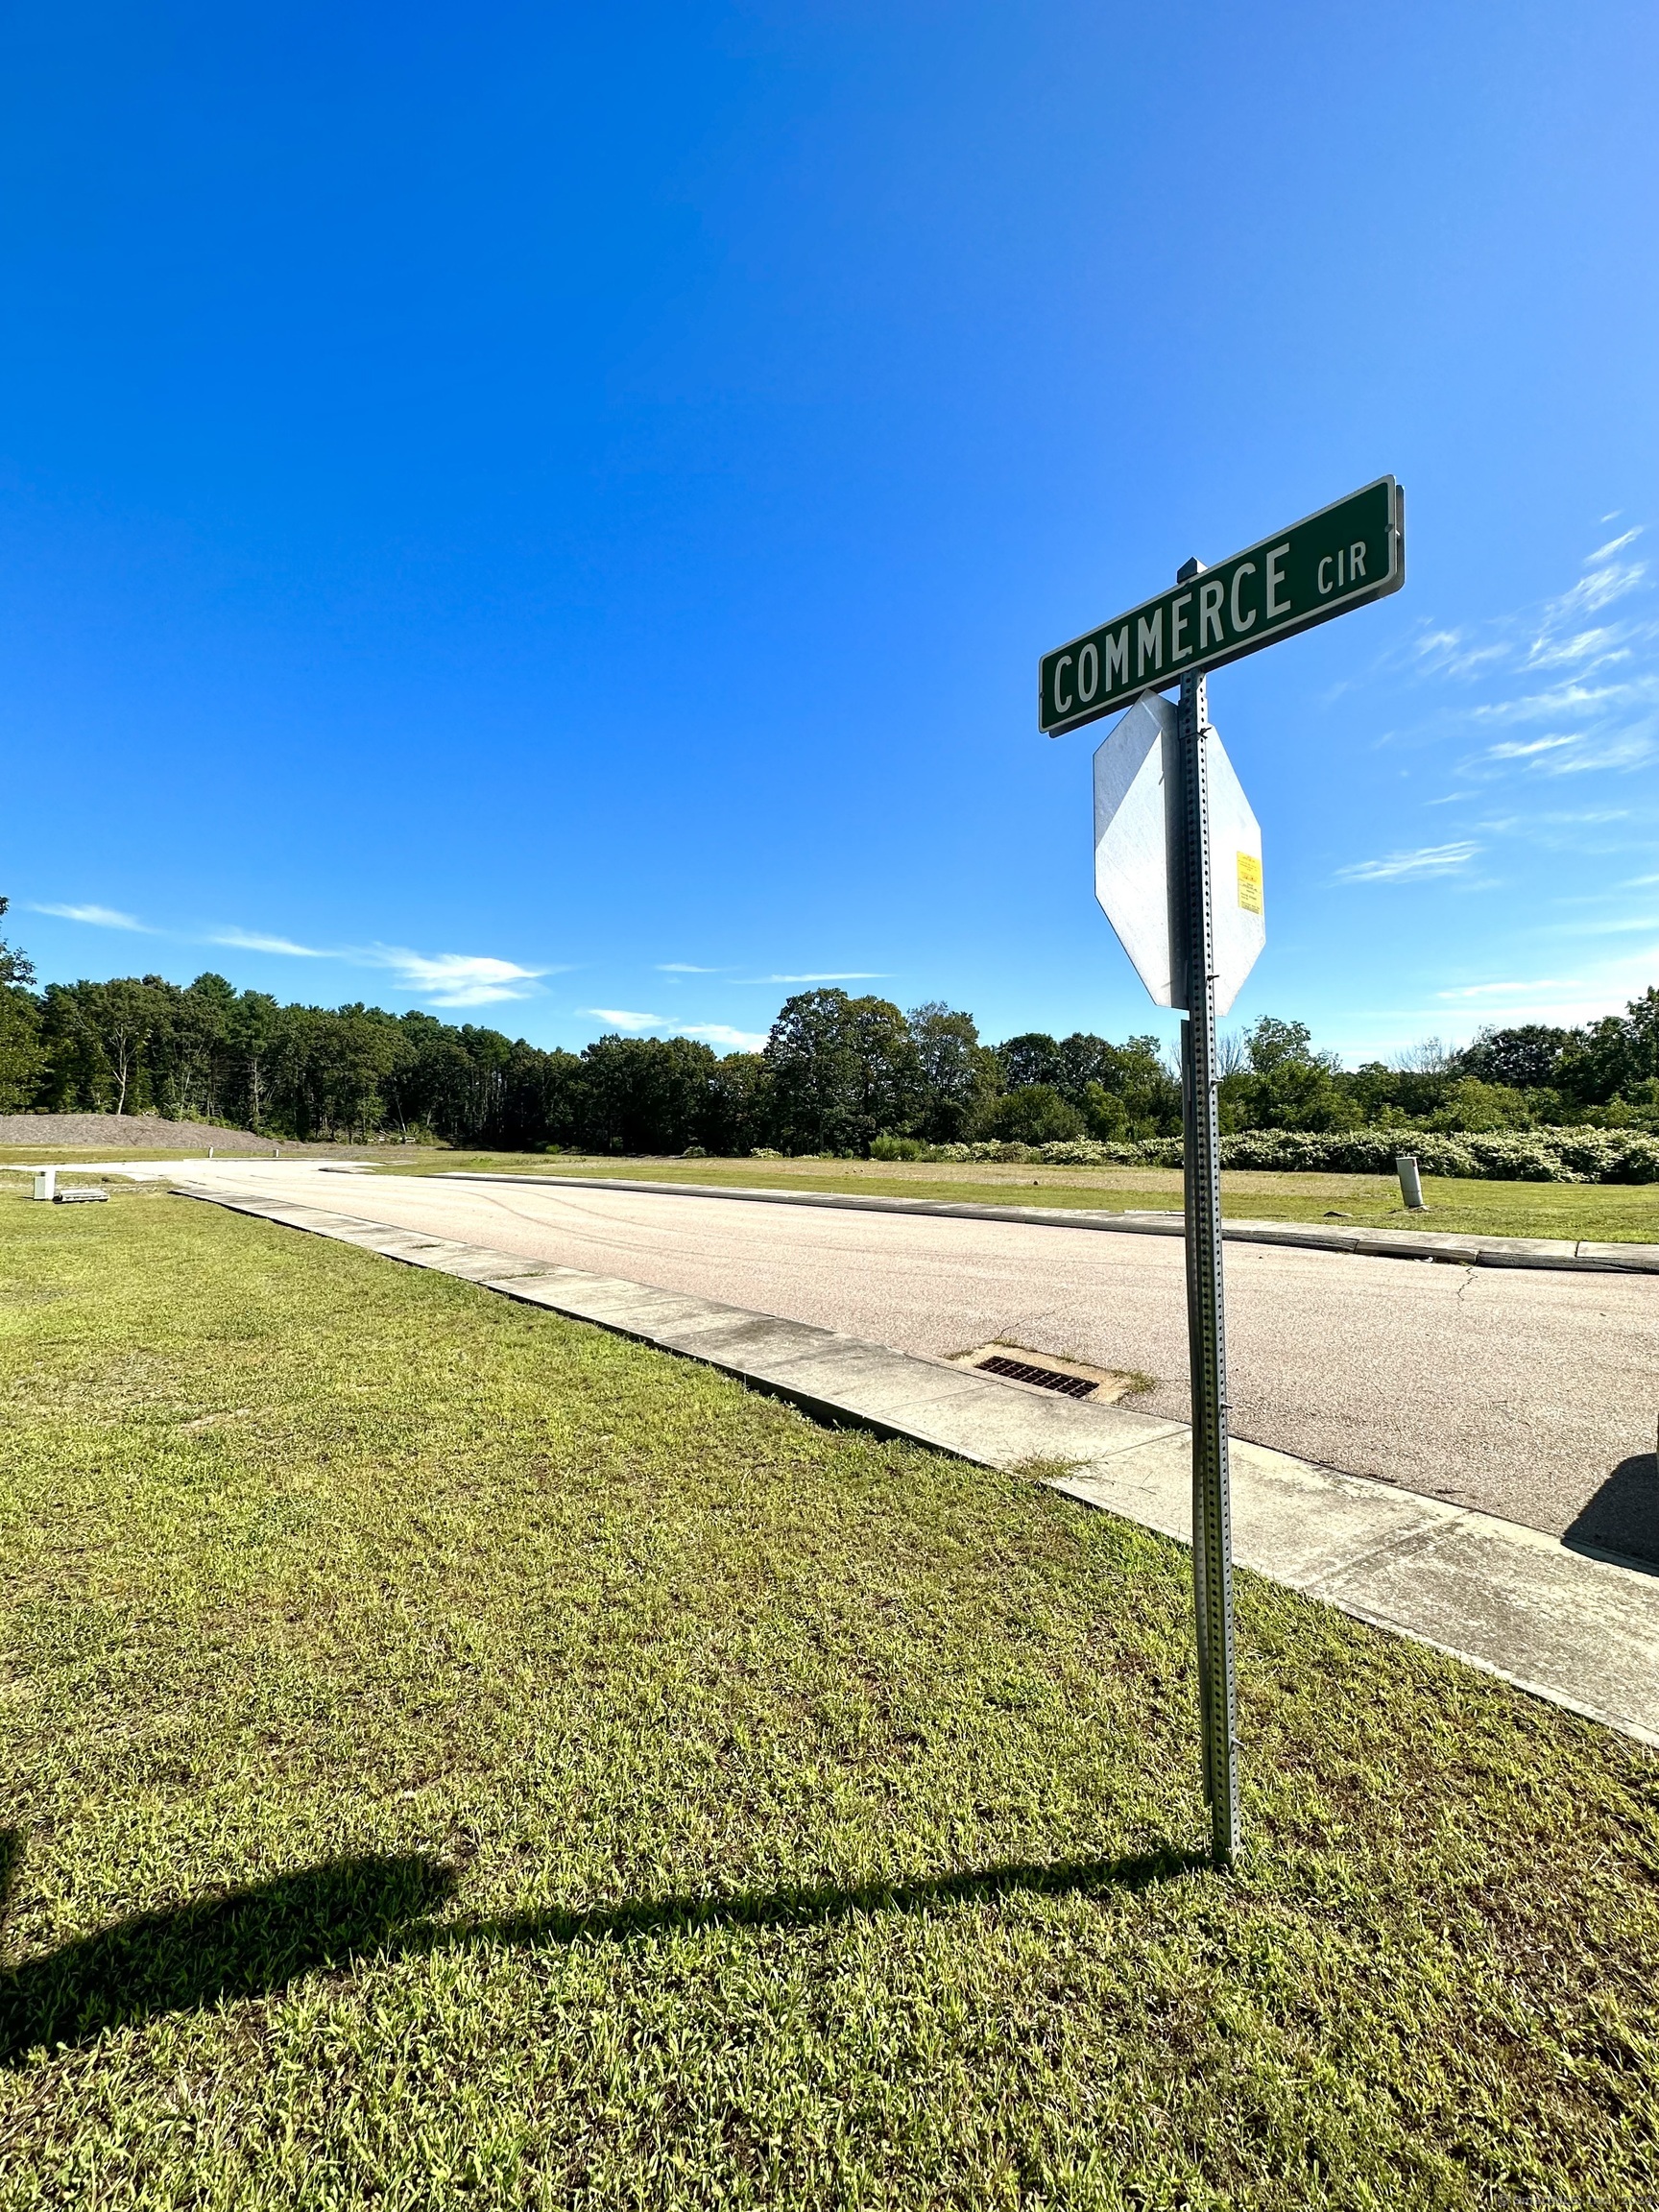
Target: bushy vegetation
(1537,1156)
(839,1075)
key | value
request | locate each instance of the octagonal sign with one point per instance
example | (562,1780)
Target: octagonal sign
(1137,848)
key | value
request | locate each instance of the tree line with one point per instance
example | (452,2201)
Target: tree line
(836,1074)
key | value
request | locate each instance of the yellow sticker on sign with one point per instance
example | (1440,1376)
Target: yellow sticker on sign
(1249,882)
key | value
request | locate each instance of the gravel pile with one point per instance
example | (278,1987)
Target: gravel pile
(121,1132)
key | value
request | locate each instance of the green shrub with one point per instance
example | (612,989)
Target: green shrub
(1500,1156)
(896,1148)
(1035,1114)
(1530,1155)
(1106,1113)
(1473,1106)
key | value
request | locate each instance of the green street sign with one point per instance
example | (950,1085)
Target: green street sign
(1341,557)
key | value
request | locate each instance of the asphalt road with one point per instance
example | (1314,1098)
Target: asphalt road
(1528,1394)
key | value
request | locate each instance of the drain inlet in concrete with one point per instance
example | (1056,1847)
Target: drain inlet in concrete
(1030,1370)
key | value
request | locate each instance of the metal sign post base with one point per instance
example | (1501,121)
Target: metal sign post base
(1205,1324)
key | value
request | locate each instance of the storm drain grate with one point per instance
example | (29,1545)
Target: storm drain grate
(1021,1371)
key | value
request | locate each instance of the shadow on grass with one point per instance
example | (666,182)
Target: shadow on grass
(254,1941)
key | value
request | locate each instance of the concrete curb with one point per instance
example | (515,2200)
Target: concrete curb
(1579,1631)
(1372,1243)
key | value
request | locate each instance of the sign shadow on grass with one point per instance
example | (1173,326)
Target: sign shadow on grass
(254,1942)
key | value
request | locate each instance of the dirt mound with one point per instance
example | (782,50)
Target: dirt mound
(125,1132)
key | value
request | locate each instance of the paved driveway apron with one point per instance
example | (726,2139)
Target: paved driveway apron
(1527,1394)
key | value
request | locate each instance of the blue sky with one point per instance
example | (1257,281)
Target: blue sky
(551,513)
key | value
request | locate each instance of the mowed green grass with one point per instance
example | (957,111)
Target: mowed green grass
(1601,1212)
(458,1757)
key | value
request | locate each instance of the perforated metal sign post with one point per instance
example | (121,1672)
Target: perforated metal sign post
(1178,870)
(1206,1314)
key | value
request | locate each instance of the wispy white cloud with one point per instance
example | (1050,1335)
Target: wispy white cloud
(99,917)
(1465,992)
(457,978)
(829,976)
(1405,866)
(1550,819)
(1524,747)
(620,1018)
(1612,925)
(709,1033)
(1613,749)
(1601,646)
(1605,576)
(256,941)
(1452,653)
(719,1033)
(1589,678)
(683,967)
(1557,638)
(441,978)
(1567,999)
(1570,698)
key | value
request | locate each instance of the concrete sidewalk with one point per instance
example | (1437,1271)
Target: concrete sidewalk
(1579,1630)
(1456,1251)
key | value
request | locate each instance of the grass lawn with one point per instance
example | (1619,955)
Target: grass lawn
(458,1757)
(1604,1213)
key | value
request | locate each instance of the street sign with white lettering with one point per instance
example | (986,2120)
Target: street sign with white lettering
(1341,557)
